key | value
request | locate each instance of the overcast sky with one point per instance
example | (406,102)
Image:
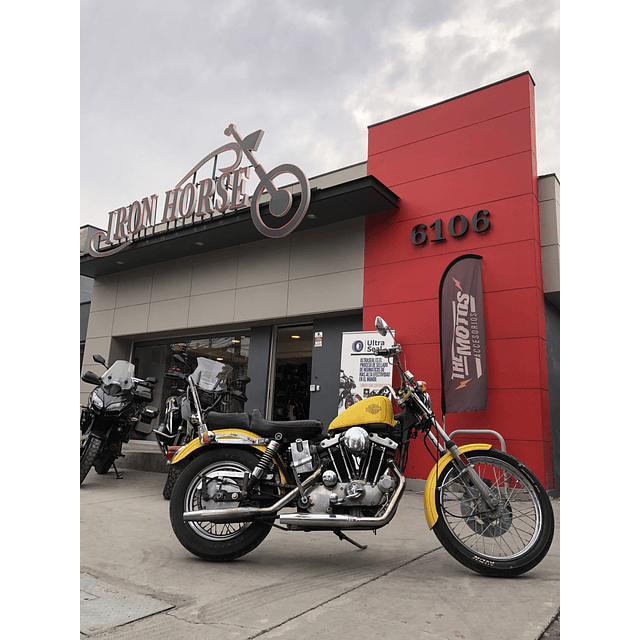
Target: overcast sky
(161,80)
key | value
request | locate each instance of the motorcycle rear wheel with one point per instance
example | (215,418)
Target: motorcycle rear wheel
(216,542)
(103,466)
(89,448)
(506,541)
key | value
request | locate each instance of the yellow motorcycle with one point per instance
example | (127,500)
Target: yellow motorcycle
(243,473)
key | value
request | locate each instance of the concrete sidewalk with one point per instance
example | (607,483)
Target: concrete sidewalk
(137,581)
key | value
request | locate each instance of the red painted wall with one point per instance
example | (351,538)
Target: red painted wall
(473,152)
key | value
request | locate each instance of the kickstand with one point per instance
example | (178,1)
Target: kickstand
(353,542)
(119,474)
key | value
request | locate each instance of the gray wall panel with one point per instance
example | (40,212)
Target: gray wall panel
(552,324)
(325,369)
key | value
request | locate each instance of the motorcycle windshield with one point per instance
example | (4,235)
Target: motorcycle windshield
(209,373)
(121,373)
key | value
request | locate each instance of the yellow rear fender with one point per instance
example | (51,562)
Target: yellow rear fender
(430,510)
(225,437)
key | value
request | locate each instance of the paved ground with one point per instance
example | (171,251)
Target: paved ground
(138,582)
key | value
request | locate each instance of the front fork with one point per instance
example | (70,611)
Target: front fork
(462,464)
(467,470)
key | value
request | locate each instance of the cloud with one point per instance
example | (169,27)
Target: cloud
(161,80)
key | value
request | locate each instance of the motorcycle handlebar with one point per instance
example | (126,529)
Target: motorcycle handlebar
(391,351)
(148,382)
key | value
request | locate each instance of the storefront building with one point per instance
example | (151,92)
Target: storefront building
(455,178)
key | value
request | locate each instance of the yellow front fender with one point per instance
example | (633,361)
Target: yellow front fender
(230,436)
(430,488)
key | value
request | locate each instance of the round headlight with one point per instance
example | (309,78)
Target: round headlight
(356,440)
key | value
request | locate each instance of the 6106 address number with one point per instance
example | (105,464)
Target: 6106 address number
(457,227)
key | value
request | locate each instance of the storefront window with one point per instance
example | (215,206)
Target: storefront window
(156,358)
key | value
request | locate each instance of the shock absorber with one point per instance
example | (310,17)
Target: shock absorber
(265,460)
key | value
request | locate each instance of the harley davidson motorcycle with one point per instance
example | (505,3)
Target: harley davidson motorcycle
(486,508)
(197,393)
(115,408)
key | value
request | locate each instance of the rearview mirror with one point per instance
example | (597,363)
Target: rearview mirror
(381,326)
(90,377)
(100,360)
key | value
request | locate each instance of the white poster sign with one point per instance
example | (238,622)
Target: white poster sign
(362,373)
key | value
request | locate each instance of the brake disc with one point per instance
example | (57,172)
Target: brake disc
(491,523)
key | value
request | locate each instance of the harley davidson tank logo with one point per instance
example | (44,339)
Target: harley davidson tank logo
(373,409)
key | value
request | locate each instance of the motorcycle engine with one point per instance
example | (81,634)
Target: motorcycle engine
(356,480)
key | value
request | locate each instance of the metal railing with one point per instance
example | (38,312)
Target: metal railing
(503,446)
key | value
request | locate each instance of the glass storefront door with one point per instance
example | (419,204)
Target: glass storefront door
(291,373)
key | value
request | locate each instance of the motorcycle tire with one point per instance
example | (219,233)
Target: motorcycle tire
(172,477)
(103,466)
(216,542)
(174,471)
(89,449)
(507,541)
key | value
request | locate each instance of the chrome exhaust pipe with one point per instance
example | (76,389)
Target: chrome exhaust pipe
(244,514)
(341,521)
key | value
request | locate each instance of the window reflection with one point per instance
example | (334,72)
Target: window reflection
(155,359)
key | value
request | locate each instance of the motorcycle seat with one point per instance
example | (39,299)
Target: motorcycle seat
(290,430)
(216,420)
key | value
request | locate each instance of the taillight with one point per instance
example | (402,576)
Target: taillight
(171,452)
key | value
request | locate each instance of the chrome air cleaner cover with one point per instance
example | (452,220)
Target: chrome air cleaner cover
(356,439)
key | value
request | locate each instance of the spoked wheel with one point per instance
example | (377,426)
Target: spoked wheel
(89,448)
(213,481)
(505,540)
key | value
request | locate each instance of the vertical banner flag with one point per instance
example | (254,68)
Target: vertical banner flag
(462,337)
(361,373)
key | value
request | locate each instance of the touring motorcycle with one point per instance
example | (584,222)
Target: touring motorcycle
(198,392)
(487,509)
(115,408)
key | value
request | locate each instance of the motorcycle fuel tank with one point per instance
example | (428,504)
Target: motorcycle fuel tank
(374,410)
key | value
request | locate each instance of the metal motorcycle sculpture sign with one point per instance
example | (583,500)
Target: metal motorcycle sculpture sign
(214,196)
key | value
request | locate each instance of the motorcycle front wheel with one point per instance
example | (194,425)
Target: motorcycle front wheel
(89,448)
(506,540)
(222,470)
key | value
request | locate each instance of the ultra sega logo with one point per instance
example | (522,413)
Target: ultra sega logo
(366,346)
